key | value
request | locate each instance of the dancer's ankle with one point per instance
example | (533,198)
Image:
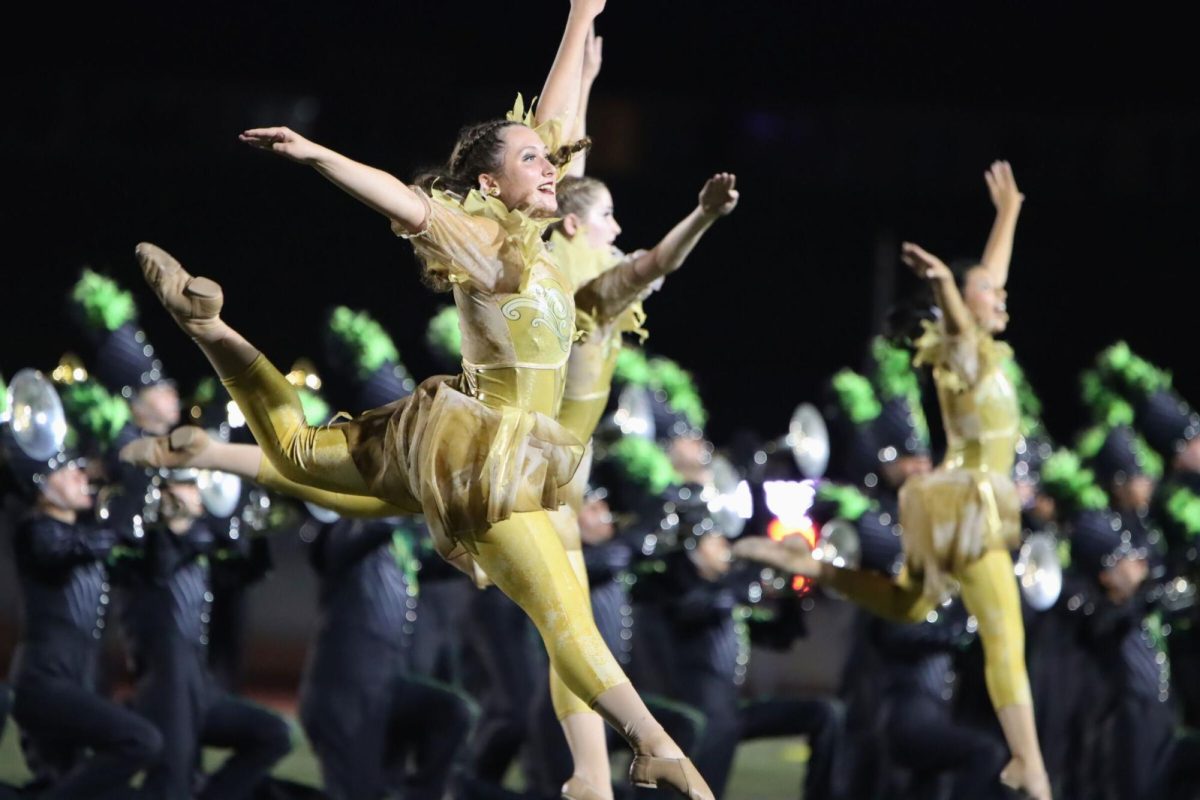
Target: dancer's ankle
(657,744)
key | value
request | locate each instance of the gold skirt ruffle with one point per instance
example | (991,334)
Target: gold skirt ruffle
(468,465)
(951,517)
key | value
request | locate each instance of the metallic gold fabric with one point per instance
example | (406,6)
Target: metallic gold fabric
(969,505)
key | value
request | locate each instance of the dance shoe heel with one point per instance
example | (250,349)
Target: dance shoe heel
(679,773)
(576,788)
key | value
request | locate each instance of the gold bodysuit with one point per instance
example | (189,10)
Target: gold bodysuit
(969,504)
(471,449)
(608,305)
(961,520)
(480,453)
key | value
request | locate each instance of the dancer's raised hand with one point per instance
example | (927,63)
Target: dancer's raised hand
(284,141)
(926,266)
(593,55)
(589,8)
(719,197)
(1002,186)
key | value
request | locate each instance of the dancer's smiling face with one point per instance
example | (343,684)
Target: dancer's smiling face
(523,176)
(985,299)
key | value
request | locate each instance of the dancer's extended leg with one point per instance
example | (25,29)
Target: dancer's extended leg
(315,456)
(193,447)
(524,557)
(989,592)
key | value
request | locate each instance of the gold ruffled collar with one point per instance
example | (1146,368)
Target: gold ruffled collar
(578,261)
(931,349)
(522,231)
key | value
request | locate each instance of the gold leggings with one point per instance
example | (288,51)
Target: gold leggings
(348,505)
(566,526)
(989,593)
(522,555)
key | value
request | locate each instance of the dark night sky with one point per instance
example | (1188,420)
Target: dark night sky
(851,126)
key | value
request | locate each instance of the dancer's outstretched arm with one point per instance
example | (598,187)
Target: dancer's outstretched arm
(593,54)
(561,94)
(612,292)
(928,267)
(380,190)
(718,198)
(1007,199)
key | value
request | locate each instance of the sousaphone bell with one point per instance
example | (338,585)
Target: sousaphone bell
(1039,571)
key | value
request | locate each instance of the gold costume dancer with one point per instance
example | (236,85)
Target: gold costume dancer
(961,520)
(480,453)
(609,287)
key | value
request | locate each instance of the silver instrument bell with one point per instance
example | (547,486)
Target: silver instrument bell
(1039,571)
(808,439)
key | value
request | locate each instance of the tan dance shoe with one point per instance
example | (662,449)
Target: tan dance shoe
(166,452)
(195,303)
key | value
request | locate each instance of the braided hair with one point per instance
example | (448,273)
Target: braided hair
(478,150)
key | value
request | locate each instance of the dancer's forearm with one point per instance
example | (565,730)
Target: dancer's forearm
(997,253)
(373,187)
(670,253)
(561,92)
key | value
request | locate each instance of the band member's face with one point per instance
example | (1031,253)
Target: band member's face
(181,501)
(1189,458)
(691,458)
(68,489)
(1123,579)
(595,522)
(157,408)
(1133,494)
(896,472)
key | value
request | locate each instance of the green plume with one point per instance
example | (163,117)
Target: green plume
(1149,459)
(1106,406)
(851,503)
(632,367)
(1183,506)
(3,395)
(645,462)
(1129,372)
(894,374)
(1028,403)
(91,407)
(316,410)
(1073,487)
(105,305)
(1064,553)
(895,377)
(443,334)
(677,384)
(365,338)
(1091,440)
(856,397)
(405,554)
(206,391)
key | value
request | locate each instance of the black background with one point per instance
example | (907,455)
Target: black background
(851,126)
